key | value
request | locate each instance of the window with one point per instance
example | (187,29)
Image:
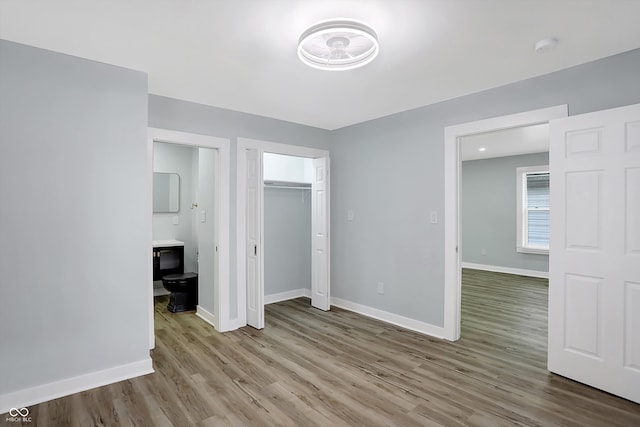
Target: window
(533,209)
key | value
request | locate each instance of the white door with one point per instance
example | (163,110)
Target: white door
(594,264)
(255,285)
(320,235)
(205,227)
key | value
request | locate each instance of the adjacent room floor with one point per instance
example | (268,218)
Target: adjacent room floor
(309,367)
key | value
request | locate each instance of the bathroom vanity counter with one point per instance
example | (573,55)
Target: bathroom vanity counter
(167,243)
(168,258)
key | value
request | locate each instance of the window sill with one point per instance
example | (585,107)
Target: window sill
(530,250)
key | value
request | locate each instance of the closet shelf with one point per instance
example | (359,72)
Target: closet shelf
(287,184)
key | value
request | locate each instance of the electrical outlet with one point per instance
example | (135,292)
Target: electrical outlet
(380,288)
(483,251)
(434,217)
(176,220)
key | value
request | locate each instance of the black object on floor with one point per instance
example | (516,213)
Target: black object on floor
(184,291)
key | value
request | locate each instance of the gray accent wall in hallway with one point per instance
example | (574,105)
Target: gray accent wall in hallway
(488,212)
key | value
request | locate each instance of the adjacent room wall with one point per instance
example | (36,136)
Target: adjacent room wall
(168,113)
(287,240)
(74,223)
(488,212)
(172,158)
(390,172)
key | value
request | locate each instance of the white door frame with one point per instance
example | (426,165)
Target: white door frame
(452,161)
(220,319)
(241,220)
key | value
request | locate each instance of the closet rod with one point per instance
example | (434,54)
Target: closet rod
(287,186)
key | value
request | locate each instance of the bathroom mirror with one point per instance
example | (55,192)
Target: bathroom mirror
(166,192)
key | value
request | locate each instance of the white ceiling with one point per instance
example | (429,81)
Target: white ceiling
(508,142)
(241,54)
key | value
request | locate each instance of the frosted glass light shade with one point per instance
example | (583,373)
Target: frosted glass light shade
(340,44)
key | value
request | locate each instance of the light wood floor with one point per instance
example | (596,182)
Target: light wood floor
(309,367)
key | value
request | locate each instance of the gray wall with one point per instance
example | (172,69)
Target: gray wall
(390,172)
(172,158)
(488,212)
(287,240)
(74,220)
(167,113)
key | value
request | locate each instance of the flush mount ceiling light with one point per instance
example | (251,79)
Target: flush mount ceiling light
(338,44)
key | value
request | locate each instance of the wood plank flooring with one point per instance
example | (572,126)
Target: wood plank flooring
(337,368)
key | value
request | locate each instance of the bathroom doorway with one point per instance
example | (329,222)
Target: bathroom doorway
(195,215)
(183,195)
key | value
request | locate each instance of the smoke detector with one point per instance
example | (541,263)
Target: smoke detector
(546,44)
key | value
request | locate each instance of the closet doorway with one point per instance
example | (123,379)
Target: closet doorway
(293,182)
(287,227)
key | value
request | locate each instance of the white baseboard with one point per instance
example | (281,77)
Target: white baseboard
(207,316)
(508,270)
(234,324)
(158,292)
(237,323)
(42,393)
(283,296)
(394,319)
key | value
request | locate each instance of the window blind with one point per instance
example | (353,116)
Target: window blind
(538,209)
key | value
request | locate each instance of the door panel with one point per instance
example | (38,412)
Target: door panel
(583,322)
(255,292)
(632,217)
(320,240)
(594,262)
(584,202)
(632,326)
(205,226)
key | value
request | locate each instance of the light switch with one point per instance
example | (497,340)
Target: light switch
(176,220)
(434,217)
(203,216)
(350,215)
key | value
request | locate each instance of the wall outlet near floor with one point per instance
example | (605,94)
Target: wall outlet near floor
(380,288)
(176,220)
(483,251)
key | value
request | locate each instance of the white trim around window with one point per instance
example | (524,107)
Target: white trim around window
(522,210)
